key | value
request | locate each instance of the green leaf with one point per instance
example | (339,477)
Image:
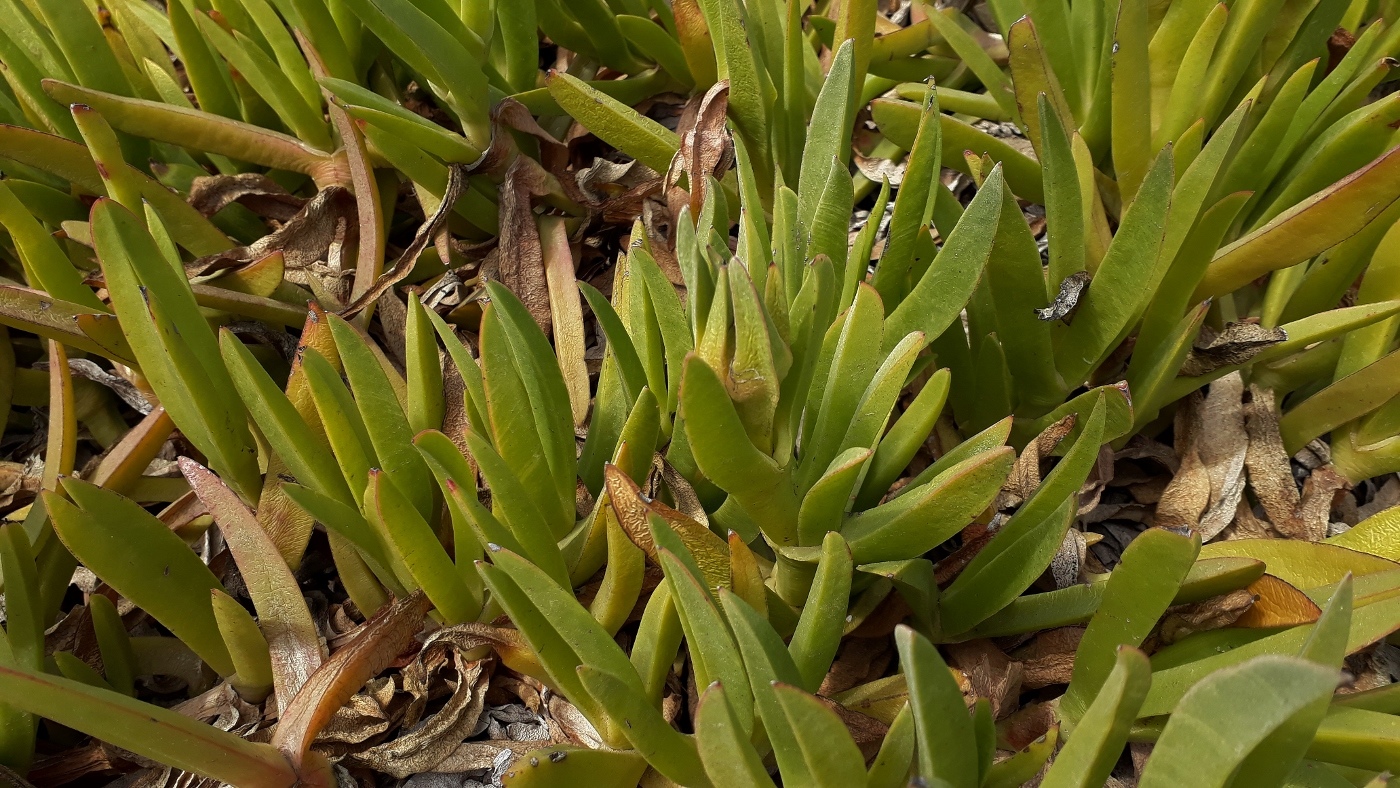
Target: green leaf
(669,751)
(548,396)
(615,122)
(71,161)
(713,652)
(922,518)
(898,121)
(282,613)
(823,619)
(832,757)
(347,522)
(767,661)
(1369,623)
(556,608)
(1312,226)
(565,765)
(824,506)
(306,454)
(1349,398)
(725,750)
(940,295)
(1094,747)
(634,377)
(417,545)
(1076,604)
(382,415)
(947,744)
(749,93)
(911,205)
(114,645)
(890,768)
(1117,294)
(1224,717)
(247,647)
(173,342)
(1139,591)
(163,735)
(1274,758)
(144,561)
(824,151)
(727,456)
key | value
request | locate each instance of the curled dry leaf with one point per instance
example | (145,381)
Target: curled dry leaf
(421,747)
(706,149)
(1277,604)
(428,232)
(327,220)
(1025,474)
(383,638)
(990,674)
(1067,300)
(1211,442)
(210,194)
(518,259)
(1213,613)
(1237,344)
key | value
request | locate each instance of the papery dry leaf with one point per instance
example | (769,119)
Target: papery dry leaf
(1247,526)
(1277,604)
(1270,475)
(858,661)
(991,674)
(1048,659)
(518,259)
(1067,300)
(705,150)
(428,232)
(1212,442)
(265,197)
(89,370)
(1237,344)
(1026,725)
(420,748)
(1319,491)
(383,638)
(567,725)
(474,756)
(306,239)
(633,512)
(1024,479)
(1213,613)
(877,169)
(866,731)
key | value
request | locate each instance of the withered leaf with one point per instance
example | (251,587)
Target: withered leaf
(1237,344)
(1067,300)
(383,638)
(260,194)
(427,232)
(518,260)
(327,219)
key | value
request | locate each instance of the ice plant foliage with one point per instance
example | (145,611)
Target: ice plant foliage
(739,383)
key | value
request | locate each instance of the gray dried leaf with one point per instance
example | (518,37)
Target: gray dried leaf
(1067,300)
(1237,344)
(260,194)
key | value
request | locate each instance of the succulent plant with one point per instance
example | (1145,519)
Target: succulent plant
(666,449)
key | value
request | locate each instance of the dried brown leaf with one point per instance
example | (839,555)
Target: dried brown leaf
(265,197)
(383,638)
(432,230)
(1237,344)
